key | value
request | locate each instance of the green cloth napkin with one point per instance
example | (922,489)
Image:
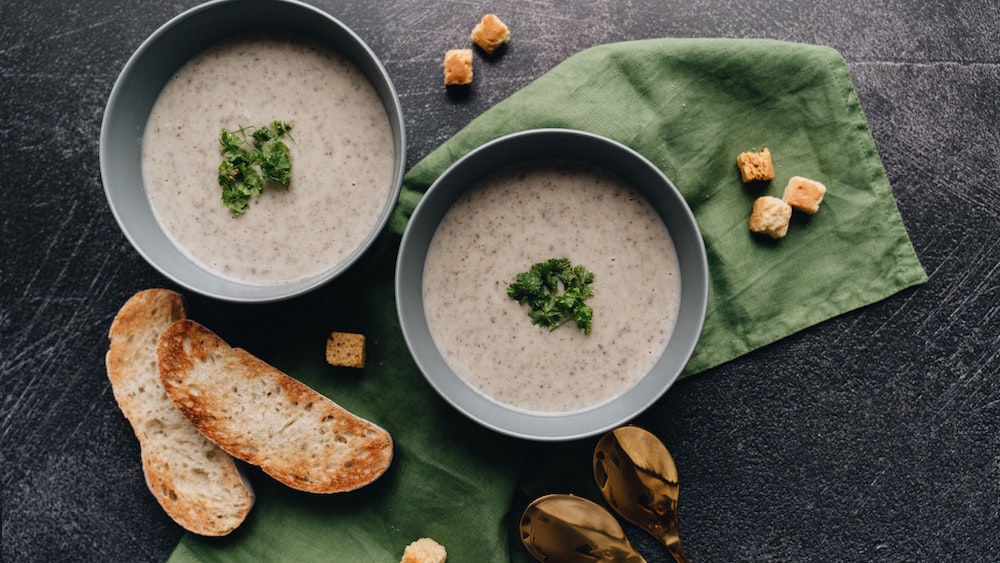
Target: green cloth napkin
(690,106)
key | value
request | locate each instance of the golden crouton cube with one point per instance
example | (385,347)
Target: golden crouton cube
(755,165)
(804,194)
(490,33)
(770,216)
(424,550)
(346,349)
(458,67)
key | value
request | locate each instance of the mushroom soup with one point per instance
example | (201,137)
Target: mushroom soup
(530,213)
(341,150)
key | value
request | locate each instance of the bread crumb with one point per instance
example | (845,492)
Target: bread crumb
(770,216)
(424,550)
(458,67)
(755,165)
(346,349)
(804,194)
(490,33)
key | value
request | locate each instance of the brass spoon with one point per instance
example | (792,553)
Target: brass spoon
(572,529)
(638,479)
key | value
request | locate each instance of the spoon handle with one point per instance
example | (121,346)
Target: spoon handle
(676,549)
(670,537)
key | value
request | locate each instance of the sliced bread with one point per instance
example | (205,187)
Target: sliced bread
(196,483)
(266,418)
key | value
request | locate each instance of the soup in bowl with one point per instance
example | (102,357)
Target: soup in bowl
(522,207)
(242,68)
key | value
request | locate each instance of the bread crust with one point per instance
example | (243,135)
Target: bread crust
(264,417)
(198,485)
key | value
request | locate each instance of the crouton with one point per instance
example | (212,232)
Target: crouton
(755,165)
(458,67)
(490,33)
(424,550)
(804,194)
(346,349)
(770,216)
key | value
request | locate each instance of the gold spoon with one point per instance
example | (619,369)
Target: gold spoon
(572,529)
(638,479)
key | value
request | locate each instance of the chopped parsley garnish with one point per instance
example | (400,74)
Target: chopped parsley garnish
(252,158)
(555,290)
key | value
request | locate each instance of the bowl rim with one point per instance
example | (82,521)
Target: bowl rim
(115,121)
(487,159)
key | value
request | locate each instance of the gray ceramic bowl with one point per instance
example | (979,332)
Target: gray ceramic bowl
(137,88)
(562,145)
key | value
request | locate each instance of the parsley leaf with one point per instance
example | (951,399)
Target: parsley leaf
(251,159)
(556,292)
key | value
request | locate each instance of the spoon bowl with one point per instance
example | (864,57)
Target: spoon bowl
(570,529)
(638,479)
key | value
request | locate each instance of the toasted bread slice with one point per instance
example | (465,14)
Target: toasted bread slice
(266,418)
(196,483)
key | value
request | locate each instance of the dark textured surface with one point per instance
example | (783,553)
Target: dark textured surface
(873,436)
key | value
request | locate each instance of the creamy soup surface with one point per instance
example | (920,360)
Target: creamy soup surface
(341,150)
(528,214)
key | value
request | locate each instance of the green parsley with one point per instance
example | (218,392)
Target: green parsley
(540,288)
(252,158)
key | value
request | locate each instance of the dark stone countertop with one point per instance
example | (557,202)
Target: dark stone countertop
(874,436)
